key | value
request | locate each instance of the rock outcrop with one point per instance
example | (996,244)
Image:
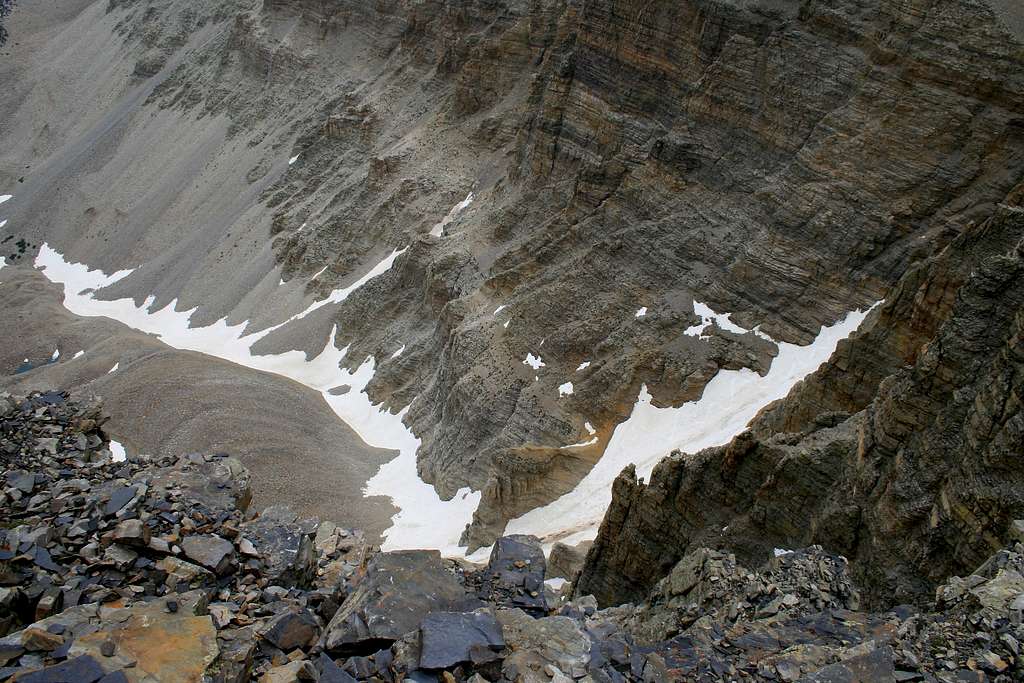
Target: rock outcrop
(149,569)
(920,482)
(782,161)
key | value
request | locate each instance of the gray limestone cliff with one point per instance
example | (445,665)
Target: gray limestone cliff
(901,453)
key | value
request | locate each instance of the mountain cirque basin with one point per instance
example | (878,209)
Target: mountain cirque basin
(645,292)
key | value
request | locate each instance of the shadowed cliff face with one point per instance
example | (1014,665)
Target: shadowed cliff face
(785,162)
(919,483)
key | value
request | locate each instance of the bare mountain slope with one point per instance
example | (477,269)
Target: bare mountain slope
(785,162)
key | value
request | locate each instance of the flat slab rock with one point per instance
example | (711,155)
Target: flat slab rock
(210,551)
(397,592)
(451,638)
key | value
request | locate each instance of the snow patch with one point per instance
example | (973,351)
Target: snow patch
(3,223)
(293,159)
(590,428)
(113,369)
(438,228)
(583,366)
(506,324)
(398,353)
(78,355)
(424,520)
(556,583)
(5,197)
(730,400)
(708,316)
(117,451)
(533,361)
(565,389)
(641,312)
(56,354)
(499,309)
(779,552)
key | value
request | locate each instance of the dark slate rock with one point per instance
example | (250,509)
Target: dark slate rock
(119,497)
(397,592)
(21,480)
(876,665)
(210,551)
(82,669)
(62,651)
(42,558)
(362,668)
(285,546)
(514,576)
(332,673)
(290,630)
(450,638)
(9,651)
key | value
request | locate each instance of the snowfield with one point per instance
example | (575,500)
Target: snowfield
(729,402)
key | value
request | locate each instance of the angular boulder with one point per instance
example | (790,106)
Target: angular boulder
(290,630)
(397,592)
(210,551)
(285,545)
(451,638)
(514,576)
(558,642)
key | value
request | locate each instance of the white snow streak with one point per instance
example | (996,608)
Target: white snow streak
(730,401)
(293,159)
(499,309)
(707,316)
(3,223)
(438,229)
(56,354)
(583,366)
(398,353)
(5,197)
(565,389)
(424,520)
(78,355)
(113,369)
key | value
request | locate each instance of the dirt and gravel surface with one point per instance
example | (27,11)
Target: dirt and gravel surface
(163,401)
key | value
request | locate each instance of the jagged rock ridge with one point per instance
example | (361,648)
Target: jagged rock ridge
(901,453)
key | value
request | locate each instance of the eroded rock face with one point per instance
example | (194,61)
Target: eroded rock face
(919,484)
(621,155)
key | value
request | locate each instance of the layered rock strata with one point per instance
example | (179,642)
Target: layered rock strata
(900,453)
(783,162)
